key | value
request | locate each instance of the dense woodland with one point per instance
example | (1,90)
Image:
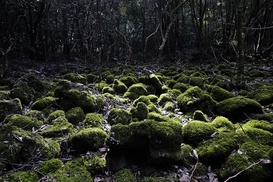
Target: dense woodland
(136,90)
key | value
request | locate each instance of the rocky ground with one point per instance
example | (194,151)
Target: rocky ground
(147,122)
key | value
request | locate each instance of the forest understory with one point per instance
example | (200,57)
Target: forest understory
(150,122)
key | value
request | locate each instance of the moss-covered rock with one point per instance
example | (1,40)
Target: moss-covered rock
(119,116)
(124,175)
(43,103)
(95,165)
(135,90)
(7,107)
(93,120)
(197,131)
(158,179)
(75,115)
(263,95)
(140,111)
(59,127)
(238,107)
(238,162)
(91,78)
(187,156)
(24,122)
(270,154)
(101,85)
(129,80)
(108,89)
(23,91)
(195,99)
(199,115)
(25,176)
(75,77)
(50,166)
(174,93)
(222,124)
(88,139)
(110,78)
(192,80)
(119,87)
(54,115)
(158,117)
(219,94)
(181,86)
(254,150)
(169,106)
(215,150)
(163,98)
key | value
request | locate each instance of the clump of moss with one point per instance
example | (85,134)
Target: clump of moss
(145,99)
(124,175)
(54,115)
(163,98)
(254,150)
(192,80)
(75,77)
(75,115)
(260,124)
(169,106)
(219,94)
(119,116)
(238,162)
(155,179)
(187,157)
(59,127)
(195,99)
(222,124)
(91,78)
(263,95)
(24,122)
(119,87)
(270,154)
(174,92)
(23,91)
(93,120)
(50,166)
(108,90)
(95,164)
(213,151)
(110,78)
(196,131)
(140,111)
(135,90)
(43,103)
(88,139)
(238,107)
(129,80)
(181,86)
(199,115)
(7,107)
(101,85)
(170,83)
(26,176)
(158,117)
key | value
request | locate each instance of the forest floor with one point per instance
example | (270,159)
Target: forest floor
(172,121)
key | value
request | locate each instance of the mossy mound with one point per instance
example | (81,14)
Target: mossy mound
(195,99)
(169,106)
(25,176)
(119,116)
(263,95)
(95,164)
(163,98)
(50,166)
(7,107)
(108,89)
(157,179)
(129,80)
(192,80)
(199,115)
(23,91)
(43,103)
(140,112)
(214,151)
(219,94)
(124,175)
(75,77)
(24,122)
(135,90)
(58,128)
(75,115)
(158,117)
(93,120)
(222,124)
(119,87)
(174,92)
(197,131)
(238,107)
(88,139)
(181,86)
(54,115)
(239,162)
(254,150)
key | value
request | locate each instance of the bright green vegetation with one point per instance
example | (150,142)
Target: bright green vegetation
(119,87)
(54,115)
(135,90)
(124,175)
(26,176)
(119,116)
(93,120)
(219,94)
(75,115)
(7,107)
(24,122)
(23,91)
(50,166)
(199,115)
(140,111)
(43,103)
(263,95)
(222,124)
(59,127)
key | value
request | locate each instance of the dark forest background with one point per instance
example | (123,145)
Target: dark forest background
(132,30)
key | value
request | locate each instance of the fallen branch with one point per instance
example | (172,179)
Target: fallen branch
(234,176)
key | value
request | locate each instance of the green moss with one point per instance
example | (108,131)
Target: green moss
(158,117)
(169,106)
(119,87)
(260,124)
(95,165)
(153,98)
(24,122)
(222,124)
(187,157)
(196,131)
(219,94)
(270,154)
(36,114)
(108,90)
(145,99)
(263,95)
(124,175)
(195,99)
(140,111)
(110,78)
(181,86)
(238,162)
(174,92)
(101,85)
(91,78)
(129,80)
(155,179)
(163,98)
(54,115)
(254,150)
(194,81)
(43,103)
(59,127)
(75,115)
(135,90)
(199,115)
(153,108)
(93,120)
(238,107)
(22,91)
(25,176)
(88,139)
(7,107)
(155,81)
(119,116)
(50,166)
(214,151)
(3,94)
(75,77)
